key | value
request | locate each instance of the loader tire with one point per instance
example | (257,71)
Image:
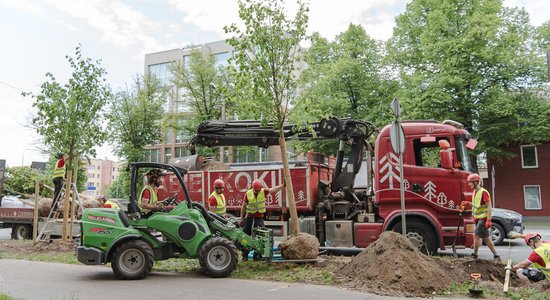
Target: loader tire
(21,232)
(132,260)
(218,257)
(421,236)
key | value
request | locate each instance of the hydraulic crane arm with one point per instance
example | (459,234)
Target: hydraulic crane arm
(252,133)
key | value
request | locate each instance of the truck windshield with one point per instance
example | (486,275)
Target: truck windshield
(462,152)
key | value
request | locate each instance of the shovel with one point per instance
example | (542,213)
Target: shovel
(455,255)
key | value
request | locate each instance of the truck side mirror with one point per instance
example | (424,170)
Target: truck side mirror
(445,154)
(446,158)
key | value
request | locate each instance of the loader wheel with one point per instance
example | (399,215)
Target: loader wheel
(132,260)
(21,232)
(421,236)
(218,257)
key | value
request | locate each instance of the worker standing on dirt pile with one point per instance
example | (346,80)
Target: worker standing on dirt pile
(254,207)
(107,203)
(482,212)
(216,201)
(540,258)
(148,199)
(58,176)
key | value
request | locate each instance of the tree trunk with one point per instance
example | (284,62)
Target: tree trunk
(294,228)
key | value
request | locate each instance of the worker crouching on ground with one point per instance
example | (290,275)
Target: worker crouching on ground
(254,206)
(107,203)
(540,258)
(482,212)
(216,201)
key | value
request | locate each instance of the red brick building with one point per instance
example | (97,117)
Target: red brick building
(522,183)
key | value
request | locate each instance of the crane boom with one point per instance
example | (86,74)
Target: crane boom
(253,133)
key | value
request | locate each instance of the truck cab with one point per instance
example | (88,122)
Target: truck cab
(434,179)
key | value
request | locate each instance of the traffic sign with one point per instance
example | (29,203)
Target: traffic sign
(397,137)
(396,107)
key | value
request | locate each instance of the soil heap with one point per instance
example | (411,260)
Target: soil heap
(393,266)
(300,246)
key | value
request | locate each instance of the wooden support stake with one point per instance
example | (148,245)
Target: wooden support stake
(35,215)
(507,277)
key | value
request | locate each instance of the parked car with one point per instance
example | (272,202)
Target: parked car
(504,221)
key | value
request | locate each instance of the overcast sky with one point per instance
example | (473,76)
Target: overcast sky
(36,36)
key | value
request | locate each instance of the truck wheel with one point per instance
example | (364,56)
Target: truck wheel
(496,234)
(421,236)
(132,260)
(21,232)
(218,257)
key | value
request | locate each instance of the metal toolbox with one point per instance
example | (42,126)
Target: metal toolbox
(339,233)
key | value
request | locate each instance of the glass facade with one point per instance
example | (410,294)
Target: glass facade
(162,73)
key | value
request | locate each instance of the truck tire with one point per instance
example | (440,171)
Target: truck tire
(21,232)
(132,260)
(218,257)
(421,236)
(496,234)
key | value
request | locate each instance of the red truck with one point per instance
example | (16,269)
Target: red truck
(350,204)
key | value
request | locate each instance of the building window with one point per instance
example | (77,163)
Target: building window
(181,152)
(154,155)
(162,72)
(531,196)
(221,59)
(529,156)
(167,154)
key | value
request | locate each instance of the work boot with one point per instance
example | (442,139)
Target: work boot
(497,258)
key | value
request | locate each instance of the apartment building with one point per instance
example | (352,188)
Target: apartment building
(101,174)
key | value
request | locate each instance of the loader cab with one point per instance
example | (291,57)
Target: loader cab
(175,182)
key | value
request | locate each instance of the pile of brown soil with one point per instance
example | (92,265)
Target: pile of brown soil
(300,246)
(393,266)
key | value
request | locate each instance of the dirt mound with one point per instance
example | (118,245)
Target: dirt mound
(300,246)
(28,247)
(393,266)
(53,246)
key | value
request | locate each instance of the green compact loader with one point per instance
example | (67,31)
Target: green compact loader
(131,241)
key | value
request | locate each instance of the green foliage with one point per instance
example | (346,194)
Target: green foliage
(120,188)
(267,57)
(346,78)
(21,179)
(471,61)
(135,119)
(205,90)
(70,115)
(5,296)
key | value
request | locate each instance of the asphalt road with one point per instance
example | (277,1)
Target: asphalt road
(38,280)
